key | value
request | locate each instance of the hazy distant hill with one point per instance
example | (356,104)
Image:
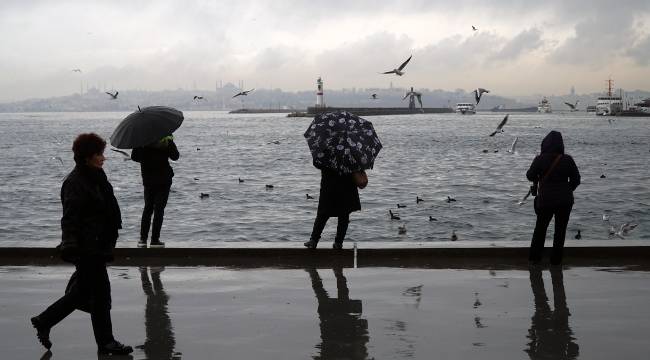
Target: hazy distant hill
(221,99)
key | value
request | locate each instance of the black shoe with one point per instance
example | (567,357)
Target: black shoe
(311,244)
(42,332)
(337,245)
(142,243)
(115,348)
(157,245)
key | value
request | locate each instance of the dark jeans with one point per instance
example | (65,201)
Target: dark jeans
(155,200)
(341,228)
(92,287)
(544,216)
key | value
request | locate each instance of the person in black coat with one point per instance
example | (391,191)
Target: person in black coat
(338,198)
(157,177)
(89,225)
(557,176)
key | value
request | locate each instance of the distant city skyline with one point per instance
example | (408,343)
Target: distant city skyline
(520,48)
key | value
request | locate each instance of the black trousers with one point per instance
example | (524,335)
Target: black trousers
(341,228)
(155,200)
(90,291)
(544,216)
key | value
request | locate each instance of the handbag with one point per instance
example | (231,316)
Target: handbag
(535,187)
(360,179)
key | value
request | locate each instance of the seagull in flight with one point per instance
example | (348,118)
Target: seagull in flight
(373,96)
(399,71)
(474,28)
(243,93)
(500,127)
(113,96)
(76,70)
(572,106)
(478,93)
(624,230)
(512,147)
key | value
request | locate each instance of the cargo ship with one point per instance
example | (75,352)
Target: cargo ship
(502,108)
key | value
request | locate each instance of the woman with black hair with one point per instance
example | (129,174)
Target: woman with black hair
(90,222)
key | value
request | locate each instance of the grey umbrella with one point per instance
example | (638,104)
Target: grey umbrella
(146,126)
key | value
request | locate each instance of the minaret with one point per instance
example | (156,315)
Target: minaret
(319,93)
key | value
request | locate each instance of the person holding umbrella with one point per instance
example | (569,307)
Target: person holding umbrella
(157,177)
(89,225)
(343,146)
(148,132)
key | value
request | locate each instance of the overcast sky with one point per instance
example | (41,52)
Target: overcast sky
(521,47)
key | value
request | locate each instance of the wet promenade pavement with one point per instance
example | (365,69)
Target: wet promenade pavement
(206,312)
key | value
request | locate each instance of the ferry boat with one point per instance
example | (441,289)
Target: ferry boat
(639,109)
(465,108)
(544,106)
(610,104)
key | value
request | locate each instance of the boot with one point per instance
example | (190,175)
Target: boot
(42,332)
(311,244)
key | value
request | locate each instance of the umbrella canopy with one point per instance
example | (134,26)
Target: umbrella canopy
(146,126)
(343,142)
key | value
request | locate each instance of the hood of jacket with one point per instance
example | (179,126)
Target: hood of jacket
(553,143)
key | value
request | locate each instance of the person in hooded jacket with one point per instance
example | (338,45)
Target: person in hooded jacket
(338,198)
(557,176)
(157,177)
(89,225)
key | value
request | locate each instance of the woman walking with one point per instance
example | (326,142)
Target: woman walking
(90,222)
(557,176)
(338,198)
(157,177)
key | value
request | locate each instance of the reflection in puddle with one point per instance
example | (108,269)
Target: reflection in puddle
(549,334)
(160,341)
(344,334)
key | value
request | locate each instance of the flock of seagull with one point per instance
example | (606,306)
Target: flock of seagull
(620,231)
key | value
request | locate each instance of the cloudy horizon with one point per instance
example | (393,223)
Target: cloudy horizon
(520,48)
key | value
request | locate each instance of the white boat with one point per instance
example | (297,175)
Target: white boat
(465,108)
(544,106)
(609,104)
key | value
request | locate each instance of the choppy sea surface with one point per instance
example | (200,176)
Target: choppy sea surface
(430,156)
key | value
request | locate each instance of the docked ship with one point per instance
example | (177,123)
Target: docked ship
(609,104)
(465,108)
(639,109)
(544,106)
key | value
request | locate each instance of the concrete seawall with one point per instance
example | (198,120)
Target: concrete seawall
(294,257)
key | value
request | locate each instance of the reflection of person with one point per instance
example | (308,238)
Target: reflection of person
(558,177)
(157,177)
(338,198)
(550,335)
(160,342)
(90,222)
(344,333)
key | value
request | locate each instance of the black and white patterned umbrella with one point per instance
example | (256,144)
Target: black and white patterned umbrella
(343,142)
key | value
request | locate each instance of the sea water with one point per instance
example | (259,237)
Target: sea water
(430,156)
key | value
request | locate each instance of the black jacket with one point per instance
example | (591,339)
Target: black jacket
(338,194)
(91,216)
(557,188)
(154,163)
